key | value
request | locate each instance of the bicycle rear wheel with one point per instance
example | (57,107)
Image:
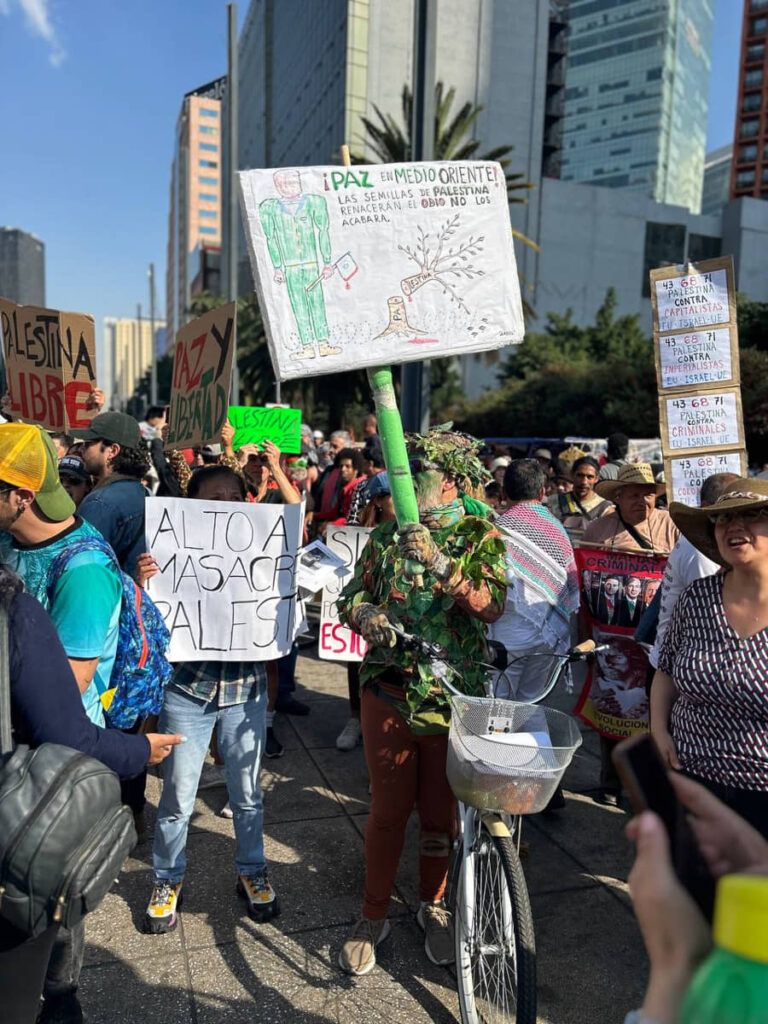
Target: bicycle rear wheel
(495,945)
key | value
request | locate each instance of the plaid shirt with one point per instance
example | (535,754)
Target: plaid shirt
(234,682)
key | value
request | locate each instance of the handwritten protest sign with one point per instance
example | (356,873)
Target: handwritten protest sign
(686,475)
(698,359)
(254,425)
(227,581)
(337,642)
(616,588)
(359,266)
(709,420)
(699,295)
(202,369)
(50,361)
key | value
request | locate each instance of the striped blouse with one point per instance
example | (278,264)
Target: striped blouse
(720,720)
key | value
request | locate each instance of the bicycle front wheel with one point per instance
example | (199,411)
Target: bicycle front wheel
(495,945)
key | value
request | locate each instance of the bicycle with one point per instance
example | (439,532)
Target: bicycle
(505,759)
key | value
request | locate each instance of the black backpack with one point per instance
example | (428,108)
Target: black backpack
(64,832)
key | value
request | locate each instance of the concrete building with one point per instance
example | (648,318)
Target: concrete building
(22,267)
(715,191)
(194,218)
(127,351)
(637,83)
(749,171)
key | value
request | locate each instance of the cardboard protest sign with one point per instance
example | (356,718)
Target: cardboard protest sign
(616,588)
(698,359)
(337,642)
(50,361)
(363,266)
(227,581)
(697,295)
(686,475)
(255,424)
(709,420)
(202,371)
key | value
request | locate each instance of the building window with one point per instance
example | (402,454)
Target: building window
(757,5)
(765,175)
(208,213)
(745,179)
(208,197)
(210,147)
(758,26)
(207,163)
(207,112)
(747,154)
(206,179)
(703,247)
(749,129)
(207,129)
(755,52)
(208,231)
(664,245)
(753,77)
(752,101)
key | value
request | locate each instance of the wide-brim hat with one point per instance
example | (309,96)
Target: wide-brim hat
(632,474)
(743,494)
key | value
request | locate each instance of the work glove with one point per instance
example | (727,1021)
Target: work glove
(416,545)
(374,625)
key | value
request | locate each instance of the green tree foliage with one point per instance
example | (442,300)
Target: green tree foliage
(753,323)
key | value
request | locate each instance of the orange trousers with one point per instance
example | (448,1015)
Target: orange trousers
(406,770)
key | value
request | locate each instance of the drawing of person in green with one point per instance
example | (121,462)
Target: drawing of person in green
(296,226)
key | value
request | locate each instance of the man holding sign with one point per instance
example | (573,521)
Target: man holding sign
(405,714)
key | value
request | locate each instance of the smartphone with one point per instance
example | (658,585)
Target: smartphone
(646,780)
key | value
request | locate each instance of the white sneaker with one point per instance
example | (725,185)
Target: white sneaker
(211,777)
(350,735)
(226,811)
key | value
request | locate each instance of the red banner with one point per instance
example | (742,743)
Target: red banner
(616,588)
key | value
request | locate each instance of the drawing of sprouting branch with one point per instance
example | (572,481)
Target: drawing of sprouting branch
(455,261)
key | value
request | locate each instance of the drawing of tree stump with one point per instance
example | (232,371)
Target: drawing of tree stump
(398,319)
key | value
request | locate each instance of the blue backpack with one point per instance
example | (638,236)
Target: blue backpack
(141,671)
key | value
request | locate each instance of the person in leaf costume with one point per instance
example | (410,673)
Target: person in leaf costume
(405,713)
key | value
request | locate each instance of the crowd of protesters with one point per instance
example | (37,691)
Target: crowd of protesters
(495,541)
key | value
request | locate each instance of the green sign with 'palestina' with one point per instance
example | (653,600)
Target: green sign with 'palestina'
(254,425)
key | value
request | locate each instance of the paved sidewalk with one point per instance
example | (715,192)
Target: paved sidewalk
(218,966)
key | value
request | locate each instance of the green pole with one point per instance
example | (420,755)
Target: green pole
(395,453)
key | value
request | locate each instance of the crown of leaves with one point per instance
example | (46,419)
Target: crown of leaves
(450,451)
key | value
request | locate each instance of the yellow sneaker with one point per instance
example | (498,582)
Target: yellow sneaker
(260,897)
(162,912)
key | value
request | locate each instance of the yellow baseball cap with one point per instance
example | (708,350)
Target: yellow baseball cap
(28,460)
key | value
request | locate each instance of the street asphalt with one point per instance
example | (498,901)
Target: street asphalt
(219,966)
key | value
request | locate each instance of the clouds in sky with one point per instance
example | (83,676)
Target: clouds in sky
(37,14)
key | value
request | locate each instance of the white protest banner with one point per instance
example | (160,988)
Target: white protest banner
(698,295)
(698,359)
(227,581)
(337,642)
(381,264)
(686,475)
(709,420)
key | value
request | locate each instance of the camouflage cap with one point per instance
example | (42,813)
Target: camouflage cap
(450,451)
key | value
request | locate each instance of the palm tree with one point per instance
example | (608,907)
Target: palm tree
(453,140)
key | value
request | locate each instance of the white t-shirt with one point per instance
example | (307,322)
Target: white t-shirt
(684,565)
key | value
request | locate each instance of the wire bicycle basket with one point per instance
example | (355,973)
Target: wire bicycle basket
(508,757)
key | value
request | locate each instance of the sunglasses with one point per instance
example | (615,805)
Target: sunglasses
(751,515)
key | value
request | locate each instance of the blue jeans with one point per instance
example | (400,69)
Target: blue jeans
(241,732)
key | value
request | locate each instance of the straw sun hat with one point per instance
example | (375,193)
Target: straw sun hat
(633,474)
(744,494)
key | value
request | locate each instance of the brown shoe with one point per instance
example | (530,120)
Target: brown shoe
(358,954)
(437,922)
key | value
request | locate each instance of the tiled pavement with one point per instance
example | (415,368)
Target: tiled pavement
(218,967)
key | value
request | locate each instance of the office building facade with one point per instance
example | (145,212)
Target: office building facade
(715,191)
(194,218)
(749,171)
(637,82)
(127,352)
(22,267)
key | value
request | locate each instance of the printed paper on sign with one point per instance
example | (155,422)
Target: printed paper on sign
(359,266)
(227,581)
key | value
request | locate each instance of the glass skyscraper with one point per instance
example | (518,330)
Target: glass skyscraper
(637,85)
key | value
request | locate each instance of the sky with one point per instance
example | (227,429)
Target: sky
(91,90)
